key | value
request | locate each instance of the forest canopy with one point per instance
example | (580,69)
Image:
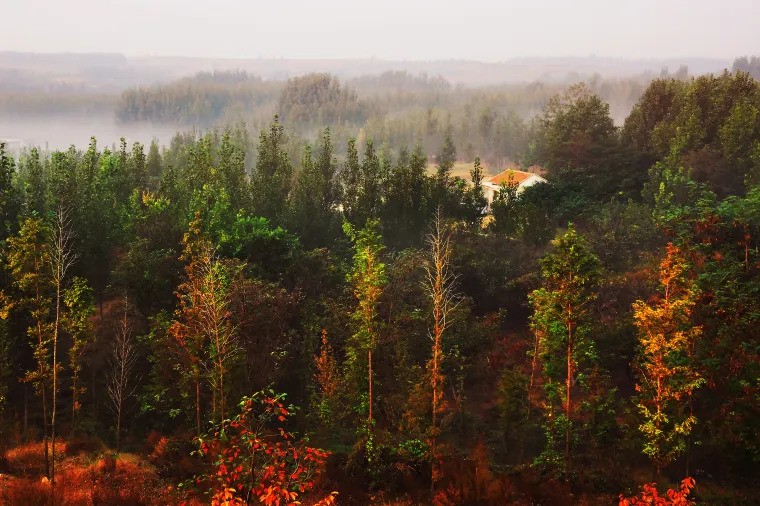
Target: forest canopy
(262,313)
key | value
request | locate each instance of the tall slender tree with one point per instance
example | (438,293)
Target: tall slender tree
(350,178)
(563,320)
(10,202)
(62,257)
(28,258)
(272,176)
(122,383)
(79,306)
(368,279)
(444,300)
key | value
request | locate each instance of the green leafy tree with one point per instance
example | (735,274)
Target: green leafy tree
(79,305)
(562,320)
(154,164)
(475,203)
(312,203)
(35,191)
(9,198)
(368,279)
(28,258)
(138,168)
(350,178)
(232,169)
(506,210)
(369,186)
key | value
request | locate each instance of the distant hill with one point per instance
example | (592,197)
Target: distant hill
(116,72)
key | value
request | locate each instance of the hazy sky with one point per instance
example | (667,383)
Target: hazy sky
(389,29)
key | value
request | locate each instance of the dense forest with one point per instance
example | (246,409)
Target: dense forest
(263,313)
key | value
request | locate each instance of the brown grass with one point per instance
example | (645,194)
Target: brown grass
(84,481)
(29,459)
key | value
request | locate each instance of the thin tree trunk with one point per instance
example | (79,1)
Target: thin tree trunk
(55,383)
(74,402)
(26,412)
(197,405)
(45,431)
(568,410)
(221,391)
(369,362)
(118,426)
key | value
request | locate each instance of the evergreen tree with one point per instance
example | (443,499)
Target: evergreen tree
(369,198)
(312,208)
(475,199)
(138,168)
(272,177)
(9,198)
(232,171)
(350,178)
(35,191)
(153,164)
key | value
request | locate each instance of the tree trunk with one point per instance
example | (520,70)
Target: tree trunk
(55,384)
(74,402)
(118,426)
(568,410)
(45,431)
(197,405)
(26,412)
(369,362)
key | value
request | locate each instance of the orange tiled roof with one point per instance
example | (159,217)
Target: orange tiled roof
(517,176)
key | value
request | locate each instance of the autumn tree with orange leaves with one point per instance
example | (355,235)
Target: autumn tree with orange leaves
(666,370)
(327,380)
(203,327)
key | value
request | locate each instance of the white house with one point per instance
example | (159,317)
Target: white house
(492,186)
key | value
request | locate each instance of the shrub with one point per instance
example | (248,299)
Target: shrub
(650,496)
(254,457)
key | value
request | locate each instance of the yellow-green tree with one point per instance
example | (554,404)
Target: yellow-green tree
(667,375)
(28,258)
(79,303)
(368,279)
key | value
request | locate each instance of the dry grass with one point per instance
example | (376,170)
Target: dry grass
(29,459)
(84,480)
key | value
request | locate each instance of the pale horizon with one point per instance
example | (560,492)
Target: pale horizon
(397,30)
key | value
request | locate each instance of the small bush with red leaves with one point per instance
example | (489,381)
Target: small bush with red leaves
(650,496)
(254,459)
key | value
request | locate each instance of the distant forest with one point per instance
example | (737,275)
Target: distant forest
(489,119)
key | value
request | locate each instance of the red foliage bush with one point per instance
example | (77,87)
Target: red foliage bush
(651,496)
(255,459)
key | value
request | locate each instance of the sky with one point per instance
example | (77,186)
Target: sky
(481,30)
